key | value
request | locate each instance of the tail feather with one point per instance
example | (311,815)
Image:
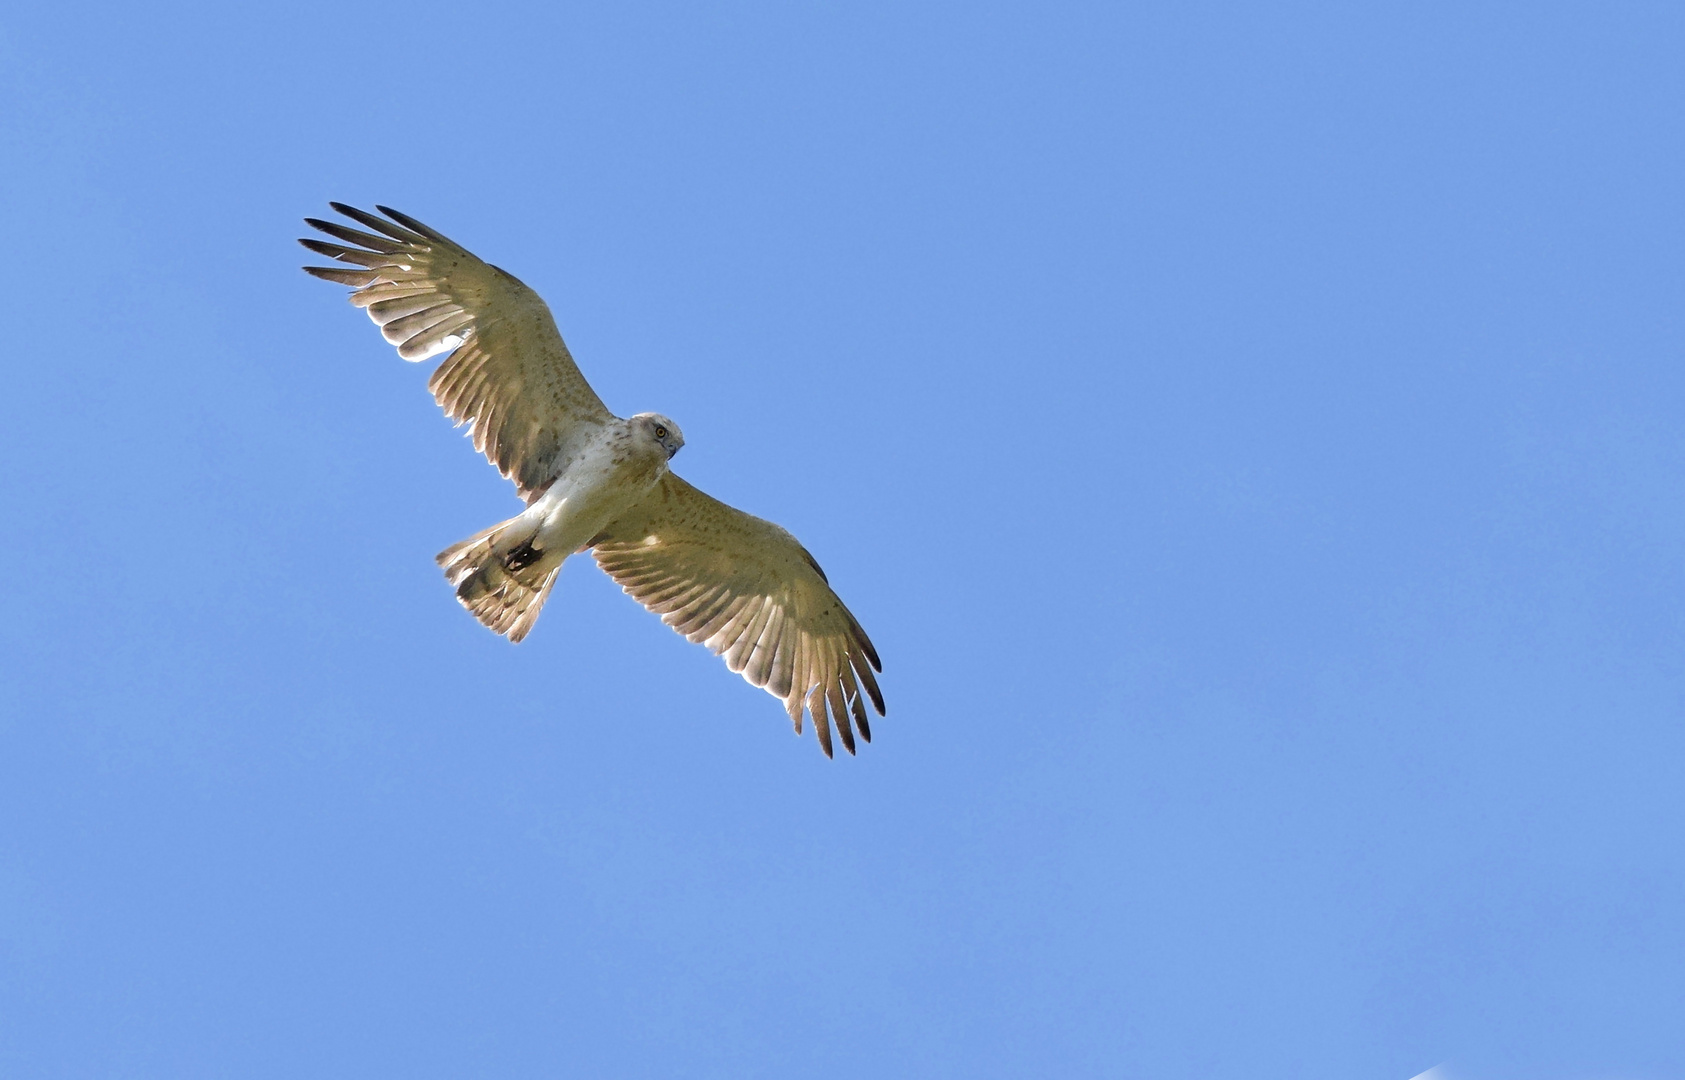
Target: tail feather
(501,577)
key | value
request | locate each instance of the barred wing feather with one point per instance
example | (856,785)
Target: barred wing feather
(752,594)
(509,375)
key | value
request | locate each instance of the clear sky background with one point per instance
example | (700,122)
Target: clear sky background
(1252,435)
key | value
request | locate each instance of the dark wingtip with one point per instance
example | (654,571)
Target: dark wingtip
(357,279)
(410,223)
(821,728)
(383,226)
(322,247)
(858,633)
(846,732)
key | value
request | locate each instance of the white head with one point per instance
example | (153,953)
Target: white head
(661,430)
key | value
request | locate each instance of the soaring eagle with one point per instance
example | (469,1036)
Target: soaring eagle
(740,585)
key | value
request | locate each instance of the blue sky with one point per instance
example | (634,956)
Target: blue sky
(1250,433)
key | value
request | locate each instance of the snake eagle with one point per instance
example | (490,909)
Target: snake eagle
(593,481)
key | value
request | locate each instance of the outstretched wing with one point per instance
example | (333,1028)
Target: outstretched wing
(509,375)
(746,589)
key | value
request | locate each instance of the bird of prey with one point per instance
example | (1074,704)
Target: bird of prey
(593,481)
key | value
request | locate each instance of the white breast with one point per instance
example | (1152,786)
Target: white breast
(609,476)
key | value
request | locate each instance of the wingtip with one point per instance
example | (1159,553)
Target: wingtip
(410,223)
(357,279)
(822,729)
(867,649)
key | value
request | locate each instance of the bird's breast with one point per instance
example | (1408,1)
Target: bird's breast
(608,478)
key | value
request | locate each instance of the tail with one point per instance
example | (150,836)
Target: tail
(501,577)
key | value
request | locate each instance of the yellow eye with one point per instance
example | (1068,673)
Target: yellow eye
(660,432)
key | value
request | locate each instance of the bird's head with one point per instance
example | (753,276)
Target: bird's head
(662,430)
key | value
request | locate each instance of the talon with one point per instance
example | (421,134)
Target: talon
(522,557)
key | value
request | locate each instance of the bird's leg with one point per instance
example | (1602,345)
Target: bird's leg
(522,557)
